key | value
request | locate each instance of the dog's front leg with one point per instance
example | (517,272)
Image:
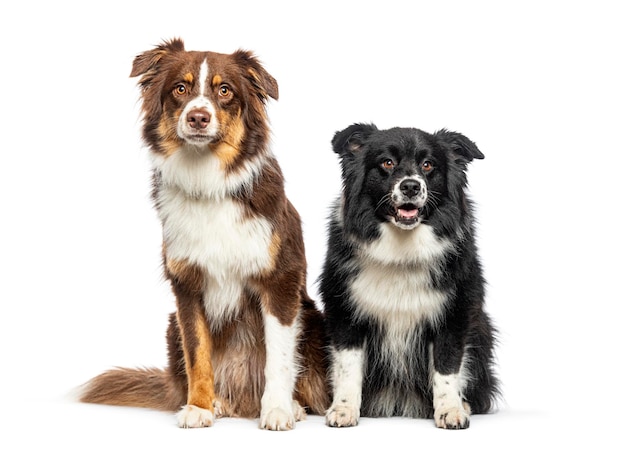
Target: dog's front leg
(448,382)
(347,381)
(279,411)
(188,284)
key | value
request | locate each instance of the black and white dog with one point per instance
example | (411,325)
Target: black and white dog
(402,283)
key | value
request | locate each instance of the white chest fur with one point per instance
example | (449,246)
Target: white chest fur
(394,285)
(214,234)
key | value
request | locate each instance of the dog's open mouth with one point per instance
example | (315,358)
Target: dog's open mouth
(407,214)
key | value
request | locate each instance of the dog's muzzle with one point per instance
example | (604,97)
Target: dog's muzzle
(409,198)
(198,124)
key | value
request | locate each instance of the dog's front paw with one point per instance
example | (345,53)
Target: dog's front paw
(453,418)
(191,416)
(342,416)
(277,419)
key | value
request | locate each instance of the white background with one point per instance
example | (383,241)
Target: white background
(539,86)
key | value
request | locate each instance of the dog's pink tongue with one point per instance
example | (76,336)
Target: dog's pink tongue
(407,213)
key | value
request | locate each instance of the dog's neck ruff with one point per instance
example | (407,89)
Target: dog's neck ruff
(202,175)
(394,246)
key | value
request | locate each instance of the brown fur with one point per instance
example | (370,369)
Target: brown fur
(222,362)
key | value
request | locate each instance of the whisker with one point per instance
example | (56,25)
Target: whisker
(386,198)
(433,197)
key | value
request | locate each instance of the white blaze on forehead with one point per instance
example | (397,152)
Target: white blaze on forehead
(204,76)
(202,99)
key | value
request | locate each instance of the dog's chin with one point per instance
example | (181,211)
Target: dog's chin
(199,139)
(406,216)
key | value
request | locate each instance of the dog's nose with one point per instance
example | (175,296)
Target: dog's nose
(410,188)
(198,119)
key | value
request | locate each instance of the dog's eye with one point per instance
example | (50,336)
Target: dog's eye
(180,89)
(224,90)
(427,166)
(388,164)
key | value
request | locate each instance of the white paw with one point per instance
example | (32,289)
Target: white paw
(191,416)
(277,419)
(452,418)
(218,408)
(298,411)
(342,416)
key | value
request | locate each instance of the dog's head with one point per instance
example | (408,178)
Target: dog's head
(202,99)
(401,175)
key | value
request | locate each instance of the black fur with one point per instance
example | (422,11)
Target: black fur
(462,328)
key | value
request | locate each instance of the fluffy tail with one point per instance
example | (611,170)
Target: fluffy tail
(145,388)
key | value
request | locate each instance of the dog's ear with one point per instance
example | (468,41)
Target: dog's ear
(147,62)
(262,82)
(459,144)
(147,66)
(351,139)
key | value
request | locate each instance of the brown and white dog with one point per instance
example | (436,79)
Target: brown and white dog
(232,250)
